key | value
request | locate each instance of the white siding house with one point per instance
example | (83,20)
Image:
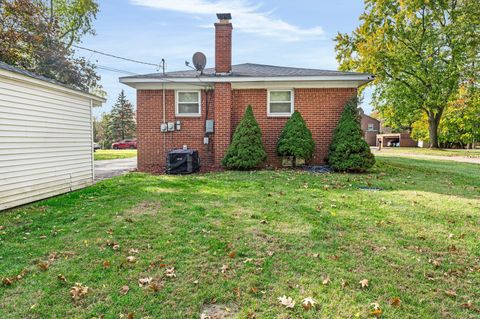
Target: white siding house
(45,137)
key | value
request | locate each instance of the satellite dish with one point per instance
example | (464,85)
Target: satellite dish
(199,61)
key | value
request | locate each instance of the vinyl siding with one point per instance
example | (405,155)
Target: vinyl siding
(45,141)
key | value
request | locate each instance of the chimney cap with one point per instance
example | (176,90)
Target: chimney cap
(224,16)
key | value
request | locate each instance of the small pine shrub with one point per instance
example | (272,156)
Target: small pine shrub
(246,150)
(349,152)
(296,139)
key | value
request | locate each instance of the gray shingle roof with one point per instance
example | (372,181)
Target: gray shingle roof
(249,70)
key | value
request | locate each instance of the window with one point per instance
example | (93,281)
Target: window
(370,127)
(188,103)
(280,103)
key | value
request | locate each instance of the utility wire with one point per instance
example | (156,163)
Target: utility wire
(103,67)
(157,65)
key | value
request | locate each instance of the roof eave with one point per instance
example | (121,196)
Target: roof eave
(132,80)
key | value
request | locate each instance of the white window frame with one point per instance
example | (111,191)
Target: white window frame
(292,99)
(177,102)
(372,127)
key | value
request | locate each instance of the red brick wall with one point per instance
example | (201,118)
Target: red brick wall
(321,109)
(153,145)
(223,47)
(223,120)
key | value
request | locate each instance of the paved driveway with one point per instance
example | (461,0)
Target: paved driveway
(111,168)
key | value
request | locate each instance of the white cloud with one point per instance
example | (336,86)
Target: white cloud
(247,17)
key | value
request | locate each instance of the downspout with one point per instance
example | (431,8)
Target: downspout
(91,143)
(164,121)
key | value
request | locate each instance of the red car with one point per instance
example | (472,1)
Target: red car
(130,144)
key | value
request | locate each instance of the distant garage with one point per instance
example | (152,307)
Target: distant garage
(45,137)
(395,140)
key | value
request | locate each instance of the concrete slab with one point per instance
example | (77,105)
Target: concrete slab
(111,168)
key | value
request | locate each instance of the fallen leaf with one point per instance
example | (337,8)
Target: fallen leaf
(133,251)
(270,253)
(248,260)
(116,247)
(363,283)
(251,315)
(316,255)
(78,291)
(326,281)
(451,293)
(376,312)
(106,264)
(288,302)
(144,281)
(43,266)
(263,221)
(7,281)
(224,269)
(308,303)
(395,301)
(62,278)
(124,290)
(154,287)
(131,315)
(344,283)
(131,259)
(232,254)
(254,290)
(170,272)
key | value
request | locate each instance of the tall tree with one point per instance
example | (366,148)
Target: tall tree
(122,118)
(420,52)
(106,138)
(75,17)
(32,40)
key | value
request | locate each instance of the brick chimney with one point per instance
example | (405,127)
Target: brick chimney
(223,44)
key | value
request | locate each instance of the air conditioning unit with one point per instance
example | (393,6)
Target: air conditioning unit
(183,161)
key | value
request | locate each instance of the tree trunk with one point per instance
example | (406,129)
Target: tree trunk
(433,123)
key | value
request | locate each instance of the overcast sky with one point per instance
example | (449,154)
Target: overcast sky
(285,33)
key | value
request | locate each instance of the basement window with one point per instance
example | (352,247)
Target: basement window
(280,103)
(188,103)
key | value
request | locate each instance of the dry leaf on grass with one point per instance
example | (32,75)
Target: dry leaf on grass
(124,290)
(363,283)
(131,259)
(288,302)
(395,301)
(43,266)
(170,272)
(451,293)
(78,291)
(61,278)
(133,251)
(326,281)
(248,260)
(7,281)
(308,303)
(232,254)
(144,281)
(106,264)
(224,269)
(154,287)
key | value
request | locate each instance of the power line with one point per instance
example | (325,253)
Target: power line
(157,65)
(103,67)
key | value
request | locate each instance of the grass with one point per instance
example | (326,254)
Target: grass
(100,155)
(427,151)
(278,232)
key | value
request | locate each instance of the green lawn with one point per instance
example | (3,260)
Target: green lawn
(277,233)
(113,154)
(427,151)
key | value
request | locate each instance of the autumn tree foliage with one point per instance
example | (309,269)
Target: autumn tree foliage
(349,152)
(246,150)
(37,37)
(420,52)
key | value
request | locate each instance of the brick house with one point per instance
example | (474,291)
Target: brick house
(370,127)
(204,108)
